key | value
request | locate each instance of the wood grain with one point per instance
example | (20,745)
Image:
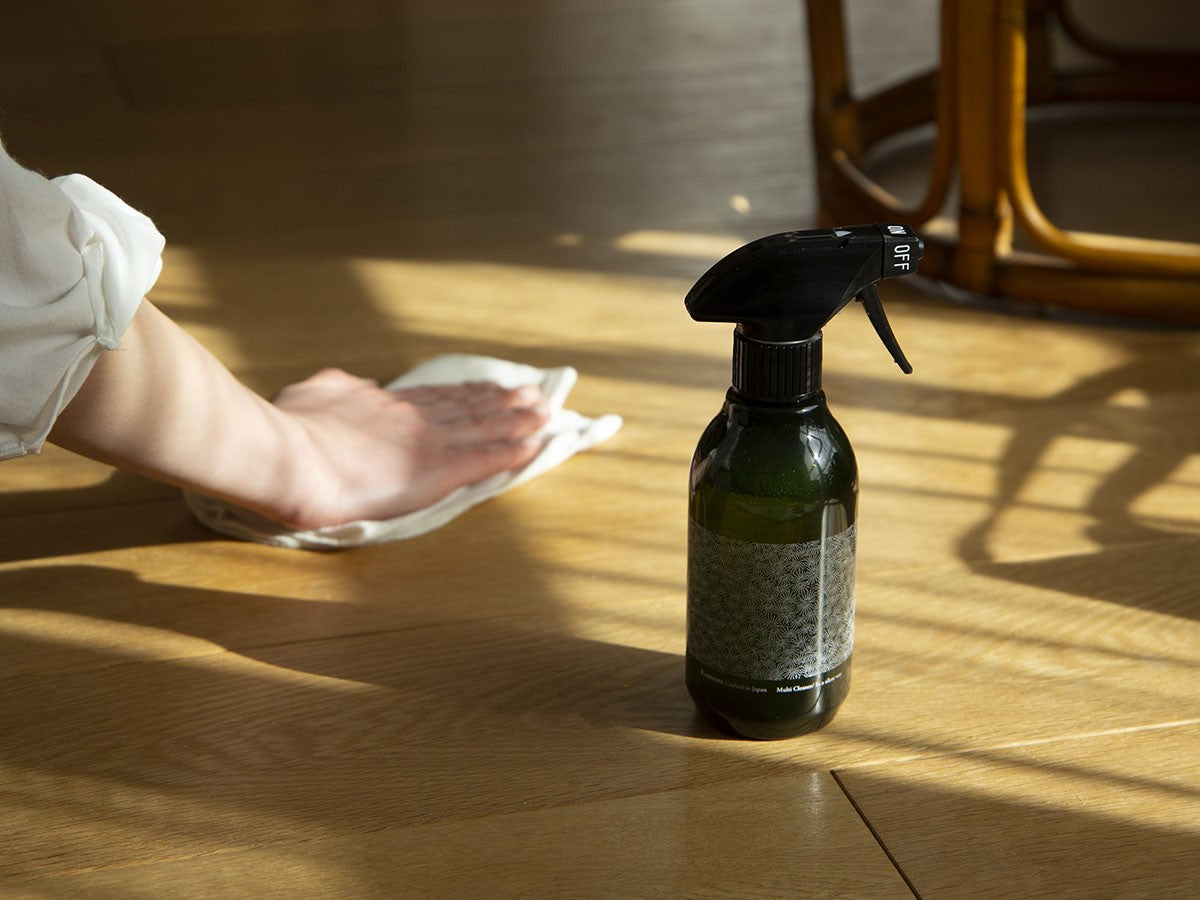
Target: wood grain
(777,837)
(1064,818)
(498,707)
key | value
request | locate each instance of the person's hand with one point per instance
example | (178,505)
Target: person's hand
(330,449)
(377,454)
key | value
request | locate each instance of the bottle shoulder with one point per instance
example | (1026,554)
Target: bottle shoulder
(806,441)
(774,475)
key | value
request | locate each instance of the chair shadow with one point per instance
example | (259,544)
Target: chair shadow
(1138,560)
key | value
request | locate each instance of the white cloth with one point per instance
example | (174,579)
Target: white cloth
(566,434)
(75,262)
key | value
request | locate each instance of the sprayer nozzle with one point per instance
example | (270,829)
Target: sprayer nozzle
(782,289)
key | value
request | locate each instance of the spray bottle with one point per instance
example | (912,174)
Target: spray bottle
(774,483)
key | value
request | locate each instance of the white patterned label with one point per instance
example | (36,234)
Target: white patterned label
(770,612)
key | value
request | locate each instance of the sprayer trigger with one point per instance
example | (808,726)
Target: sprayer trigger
(869,298)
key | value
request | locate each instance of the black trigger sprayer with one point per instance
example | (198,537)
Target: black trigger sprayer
(774,482)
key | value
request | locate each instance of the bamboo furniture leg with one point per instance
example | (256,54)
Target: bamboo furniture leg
(996,60)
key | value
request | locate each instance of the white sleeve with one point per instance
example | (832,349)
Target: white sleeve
(75,262)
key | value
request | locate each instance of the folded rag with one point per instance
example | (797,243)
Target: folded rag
(566,434)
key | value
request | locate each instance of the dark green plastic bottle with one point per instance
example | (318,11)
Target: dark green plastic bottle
(774,484)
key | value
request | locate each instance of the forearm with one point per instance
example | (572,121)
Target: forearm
(163,406)
(330,449)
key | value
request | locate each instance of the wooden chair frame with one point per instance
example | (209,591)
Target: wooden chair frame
(977,101)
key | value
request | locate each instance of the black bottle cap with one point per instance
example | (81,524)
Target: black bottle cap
(776,372)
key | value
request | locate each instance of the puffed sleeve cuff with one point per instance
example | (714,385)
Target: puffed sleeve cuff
(80,260)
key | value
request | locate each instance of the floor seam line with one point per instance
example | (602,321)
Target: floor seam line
(875,834)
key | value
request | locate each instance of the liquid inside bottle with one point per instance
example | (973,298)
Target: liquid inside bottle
(771,550)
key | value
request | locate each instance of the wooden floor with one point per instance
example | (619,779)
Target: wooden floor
(497,708)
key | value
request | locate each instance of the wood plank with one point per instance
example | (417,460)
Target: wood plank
(1064,818)
(317,186)
(144,21)
(776,837)
(217,753)
(389,58)
(570,106)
